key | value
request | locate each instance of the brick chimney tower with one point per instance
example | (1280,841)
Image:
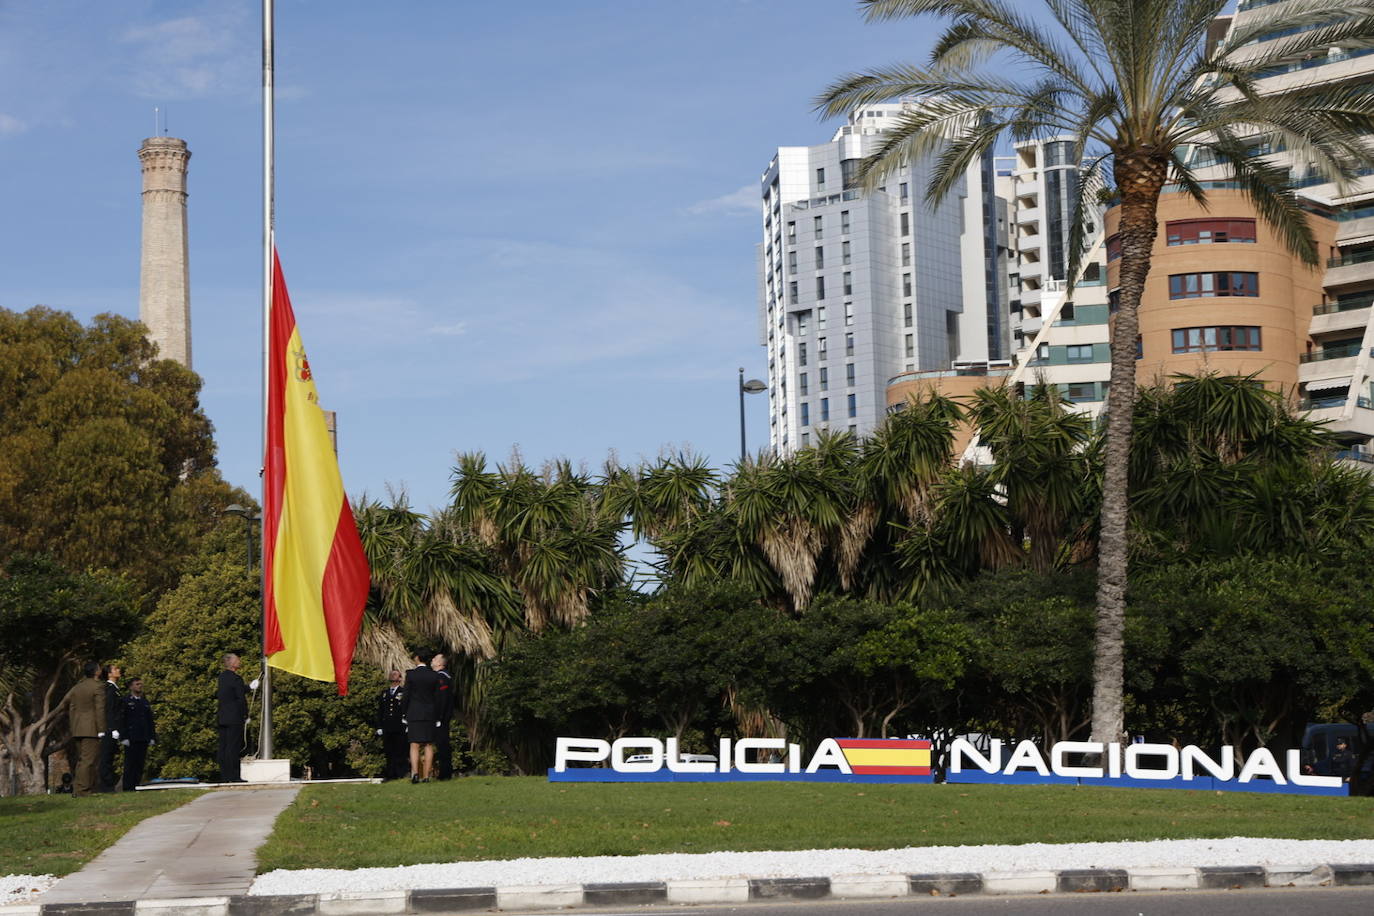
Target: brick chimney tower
(164,301)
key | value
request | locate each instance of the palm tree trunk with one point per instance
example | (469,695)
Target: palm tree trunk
(1140,176)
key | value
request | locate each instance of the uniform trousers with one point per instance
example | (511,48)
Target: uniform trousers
(134,756)
(87,758)
(230,750)
(397,750)
(109,753)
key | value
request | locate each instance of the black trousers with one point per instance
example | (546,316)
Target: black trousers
(443,753)
(230,750)
(396,747)
(134,756)
(109,751)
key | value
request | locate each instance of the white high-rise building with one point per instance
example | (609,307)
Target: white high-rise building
(856,288)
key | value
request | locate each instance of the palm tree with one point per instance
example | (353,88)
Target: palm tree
(1137,84)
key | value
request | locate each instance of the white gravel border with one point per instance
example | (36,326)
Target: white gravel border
(22,888)
(819,863)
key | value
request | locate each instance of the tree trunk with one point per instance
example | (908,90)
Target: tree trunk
(1140,175)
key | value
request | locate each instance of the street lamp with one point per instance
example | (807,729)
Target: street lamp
(753,386)
(249,517)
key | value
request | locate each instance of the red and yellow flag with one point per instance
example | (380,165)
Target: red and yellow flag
(316,573)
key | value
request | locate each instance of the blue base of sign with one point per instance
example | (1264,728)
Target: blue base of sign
(604,774)
(1201,784)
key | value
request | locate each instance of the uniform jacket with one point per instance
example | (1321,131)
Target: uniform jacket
(421,694)
(114,708)
(233,699)
(85,706)
(445,696)
(138,720)
(391,710)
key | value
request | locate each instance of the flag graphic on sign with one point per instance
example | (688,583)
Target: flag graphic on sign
(315,570)
(886,756)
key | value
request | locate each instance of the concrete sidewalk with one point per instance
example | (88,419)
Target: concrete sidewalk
(206,848)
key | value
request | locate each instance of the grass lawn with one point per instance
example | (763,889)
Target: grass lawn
(57,834)
(357,826)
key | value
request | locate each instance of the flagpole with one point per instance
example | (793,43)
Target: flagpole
(268,244)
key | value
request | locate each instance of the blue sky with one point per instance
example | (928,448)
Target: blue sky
(502,225)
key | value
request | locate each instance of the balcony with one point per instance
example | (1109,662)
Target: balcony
(1031,326)
(1028,216)
(1330,353)
(1355,454)
(1334,402)
(1029,242)
(1351,267)
(1340,316)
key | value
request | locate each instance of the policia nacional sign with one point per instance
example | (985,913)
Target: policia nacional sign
(1159,766)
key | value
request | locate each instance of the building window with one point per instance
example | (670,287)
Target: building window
(792,291)
(849,374)
(844,220)
(1194,340)
(820,257)
(820,287)
(806,440)
(1113,248)
(1082,391)
(902,191)
(820,318)
(1079,353)
(1220,283)
(910,346)
(1113,301)
(820,178)
(1205,231)
(801,354)
(805,414)
(825,409)
(853,430)
(819,224)
(906,284)
(1066,312)
(906,224)
(853,405)
(804,322)
(906,314)
(824,379)
(844,252)
(791,262)
(906,254)
(1043,351)
(820,349)
(802,384)
(849,344)
(848,283)
(791,233)
(849,315)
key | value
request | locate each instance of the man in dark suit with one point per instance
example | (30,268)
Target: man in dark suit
(443,744)
(391,727)
(139,733)
(84,705)
(114,722)
(232,698)
(421,707)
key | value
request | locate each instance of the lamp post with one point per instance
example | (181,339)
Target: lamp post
(249,517)
(753,386)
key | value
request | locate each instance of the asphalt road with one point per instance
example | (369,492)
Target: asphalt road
(1278,901)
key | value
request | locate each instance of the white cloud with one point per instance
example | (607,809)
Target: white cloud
(743,202)
(11,125)
(191,56)
(449,330)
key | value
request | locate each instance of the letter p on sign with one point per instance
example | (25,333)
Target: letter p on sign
(583,750)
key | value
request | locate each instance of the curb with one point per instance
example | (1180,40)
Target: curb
(723,891)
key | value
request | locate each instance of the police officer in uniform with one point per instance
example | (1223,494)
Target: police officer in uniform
(114,722)
(421,707)
(443,743)
(139,732)
(391,727)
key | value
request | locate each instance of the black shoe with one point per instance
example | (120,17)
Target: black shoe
(414,779)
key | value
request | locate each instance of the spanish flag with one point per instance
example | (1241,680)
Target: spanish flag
(886,756)
(316,573)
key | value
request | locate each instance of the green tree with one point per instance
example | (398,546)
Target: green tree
(51,620)
(1136,83)
(106,459)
